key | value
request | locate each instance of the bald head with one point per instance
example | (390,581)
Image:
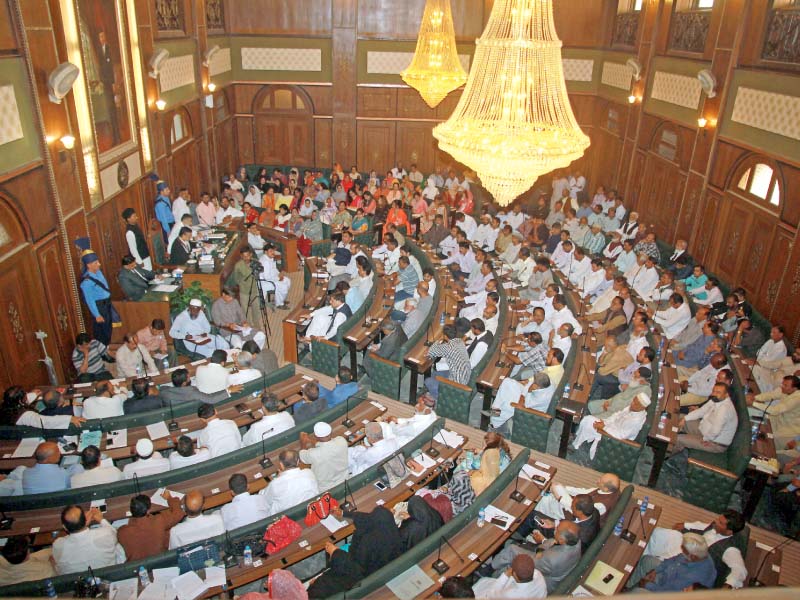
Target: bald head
(193,502)
(47,453)
(522,566)
(373,432)
(73,518)
(608,482)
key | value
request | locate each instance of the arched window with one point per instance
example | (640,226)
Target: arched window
(279,98)
(760,181)
(181,129)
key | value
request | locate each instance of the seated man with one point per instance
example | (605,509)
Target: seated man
(148,461)
(584,515)
(245,372)
(244,508)
(276,419)
(18,563)
(558,504)
(133,359)
(186,454)
(180,250)
(152,337)
(105,403)
(46,475)
(147,533)
(536,394)
(182,389)
(698,386)
(94,472)
(212,377)
(673,319)
(86,546)
(326,320)
(613,359)
(623,425)
(698,353)
(197,526)
(220,436)
(726,548)
(783,408)
(453,360)
(520,580)
(192,327)
(273,278)
(389,347)
(710,427)
(228,316)
(530,356)
(133,279)
(326,455)
(406,429)
(362,457)
(345,387)
(692,566)
(89,357)
(292,485)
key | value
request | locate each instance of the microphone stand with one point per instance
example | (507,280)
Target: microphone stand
(6,522)
(754,582)
(585,347)
(348,505)
(628,535)
(761,435)
(266,461)
(516,495)
(348,422)
(439,565)
(173,424)
(431,451)
(578,385)
(136,486)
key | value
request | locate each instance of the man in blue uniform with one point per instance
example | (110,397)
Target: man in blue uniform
(97,294)
(163,208)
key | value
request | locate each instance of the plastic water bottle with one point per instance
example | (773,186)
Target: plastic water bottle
(662,422)
(619,526)
(248,556)
(50,589)
(754,435)
(746,389)
(644,504)
(660,390)
(144,579)
(138,370)
(481,517)
(441,320)
(566,391)
(165,363)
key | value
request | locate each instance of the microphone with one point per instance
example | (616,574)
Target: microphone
(567,282)
(431,451)
(173,424)
(428,341)
(6,522)
(439,565)
(516,495)
(628,535)
(754,582)
(348,505)
(750,376)
(348,422)
(578,385)
(585,347)
(136,485)
(265,461)
(760,433)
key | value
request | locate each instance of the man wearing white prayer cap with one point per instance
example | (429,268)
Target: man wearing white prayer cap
(148,461)
(192,327)
(623,425)
(326,455)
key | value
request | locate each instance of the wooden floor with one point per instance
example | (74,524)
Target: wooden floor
(673,510)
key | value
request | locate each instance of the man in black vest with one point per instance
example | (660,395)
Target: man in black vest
(726,537)
(137,243)
(481,341)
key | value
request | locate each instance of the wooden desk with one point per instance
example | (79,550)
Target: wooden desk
(622,555)
(214,486)
(663,430)
(479,541)
(314,297)
(213,278)
(287,241)
(763,564)
(362,333)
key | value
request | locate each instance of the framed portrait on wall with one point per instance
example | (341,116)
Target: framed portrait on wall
(103,41)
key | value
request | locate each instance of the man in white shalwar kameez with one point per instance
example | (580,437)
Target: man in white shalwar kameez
(406,429)
(193,328)
(623,425)
(273,278)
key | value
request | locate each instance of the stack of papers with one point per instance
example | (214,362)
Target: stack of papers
(449,438)
(126,589)
(167,289)
(528,471)
(333,524)
(117,439)
(492,512)
(26,447)
(158,497)
(189,586)
(424,461)
(158,430)
(90,438)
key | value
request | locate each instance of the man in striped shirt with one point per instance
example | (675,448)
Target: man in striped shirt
(453,361)
(408,280)
(88,358)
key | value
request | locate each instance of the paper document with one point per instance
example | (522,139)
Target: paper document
(117,439)
(410,584)
(167,289)
(26,447)
(494,512)
(127,589)
(581,592)
(90,438)
(425,462)
(215,577)
(449,438)
(166,575)
(595,579)
(158,590)
(158,497)
(528,471)
(333,524)
(159,430)
(188,586)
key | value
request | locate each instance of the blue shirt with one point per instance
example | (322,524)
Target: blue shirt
(695,355)
(584,211)
(354,298)
(339,394)
(42,479)
(92,292)
(164,213)
(677,573)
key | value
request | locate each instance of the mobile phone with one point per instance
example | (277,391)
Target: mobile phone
(539,479)
(500,521)
(608,578)
(381,486)
(538,521)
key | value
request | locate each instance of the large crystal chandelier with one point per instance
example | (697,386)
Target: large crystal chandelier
(435,70)
(514,122)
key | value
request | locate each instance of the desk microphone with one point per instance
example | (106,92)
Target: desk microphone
(173,424)
(760,432)
(431,451)
(516,495)
(578,385)
(754,582)
(348,422)
(585,347)
(265,461)
(628,535)
(348,505)
(6,522)
(439,565)
(136,485)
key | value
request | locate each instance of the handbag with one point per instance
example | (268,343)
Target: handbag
(395,469)
(280,534)
(320,509)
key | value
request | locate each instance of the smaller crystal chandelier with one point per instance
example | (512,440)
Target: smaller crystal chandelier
(435,70)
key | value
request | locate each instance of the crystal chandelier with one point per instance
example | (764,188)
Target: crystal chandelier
(514,121)
(435,70)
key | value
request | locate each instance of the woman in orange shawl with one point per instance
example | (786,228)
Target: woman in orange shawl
(397,216)
(267,218)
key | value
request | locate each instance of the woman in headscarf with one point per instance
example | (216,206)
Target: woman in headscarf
(281,585)
(328,210)
(312,227)
(397,216)
(342,575)
(250,213)
(373,183)
(295,222)
(253,196)
(335,181)
(307,208)
(360,222)
(495,457)
(347,183)
(422,521)
(339,194)
(376,541)
(394,193)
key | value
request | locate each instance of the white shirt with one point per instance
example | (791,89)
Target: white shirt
(408,428)
(635,345)
(97,476)
(362,457)
(702,382)
(713,296)
(559,317)
(580,270)
(644,280)
(771,350)
(220,436)
(195,529)
(562,343)
(523,269)
(184,325)
(515,219)
(507,588)
(94,547)
(244,509)
(468,226)
(243,376)
(718,421)
(211,378)
(100,407)
(479,351)
(128,361)
(674,320)
(257,243)
(146,466)
(290,488)
(176,461)
(328,461)
(277,422)
(320,325)
(448,245)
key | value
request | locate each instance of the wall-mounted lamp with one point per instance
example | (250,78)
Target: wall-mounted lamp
(161,104)
(68,141)
(211,87)
(702,122)
(631,99)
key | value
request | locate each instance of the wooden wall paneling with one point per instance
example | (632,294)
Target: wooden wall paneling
(701,246)
(35,13)
(410,105)
(687,216)
(64,326)
(787,308)
(607,150)
(726,156)
(416,144)
(244,96)
(774,268)
(758,245)
(186,168)
(636,180)
(268,17)
(8,36)
(344,93)
(730,238)
(28,193)
(270,143)
(300,142)
(626,158)
(244,140)
(321,98)
(376,145)
(581,22)
(790,188)
(447,106)
(388,19)
(345,148)
(224,141)
(377,102)
(323,141)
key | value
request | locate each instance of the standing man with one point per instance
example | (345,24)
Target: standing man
(108,79)
(163,208)
(137,243)
(97,294)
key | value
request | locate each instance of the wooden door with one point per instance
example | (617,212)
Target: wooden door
(270,142)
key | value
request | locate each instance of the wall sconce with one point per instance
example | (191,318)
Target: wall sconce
(631,99)
(211,87)
(161,104)
(702,122)
(68,141)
